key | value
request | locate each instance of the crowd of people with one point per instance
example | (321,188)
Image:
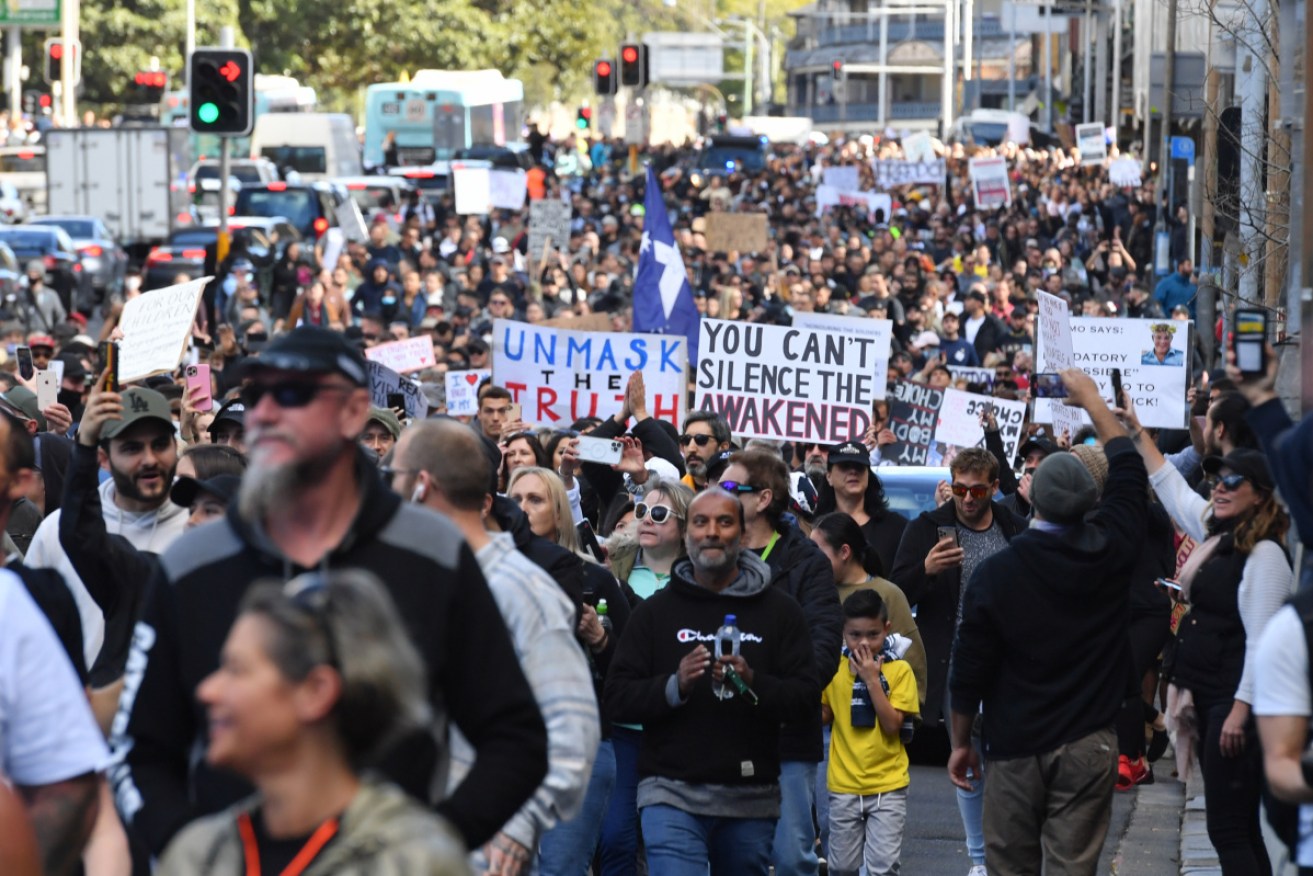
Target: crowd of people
(270,625)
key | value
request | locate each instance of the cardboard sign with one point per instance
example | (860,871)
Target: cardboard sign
(990,184)
(1092,144)
(353,222)
(737,232)
(881,331)
(1124,172)
(480,190)
(932,425)
(892,172)
(383,381)
(787,383)
(412,354)
(156,328)
(560,375)
(984,376)
(959,421)
(1054,338)
(463,391)
(913,415)
(549,221)
(1155,366)
(589,322)
(845,179)
(919,148)
(879,206)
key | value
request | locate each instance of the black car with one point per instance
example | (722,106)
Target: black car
(103,260)
(723,154)
(311,207)
(259,239)
(52,246)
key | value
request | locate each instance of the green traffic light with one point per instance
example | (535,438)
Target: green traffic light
(581,124)
(208,113)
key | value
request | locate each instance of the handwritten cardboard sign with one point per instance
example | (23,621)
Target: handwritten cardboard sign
(412,354)
(990,184)
(736,232)
(156,327)
(549,222)
(463,391)
(383,381)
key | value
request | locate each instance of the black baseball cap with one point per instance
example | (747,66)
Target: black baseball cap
(186,490)
(849,453)
(1243,461)
(311,350)
(233,411)
(1037,443)
(717,464)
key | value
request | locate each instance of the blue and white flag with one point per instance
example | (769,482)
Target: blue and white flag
(663,301)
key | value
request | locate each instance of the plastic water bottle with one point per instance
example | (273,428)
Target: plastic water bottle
(727,644)
(603,618)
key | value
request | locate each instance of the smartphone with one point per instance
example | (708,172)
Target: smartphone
(949,532)
(1118,392)
(1168,582)
(1049,385)
(109,361)
(397,401)
(47,389)
(604,451)
(198,379)
(514,413)
(25,367)
(1251,341)
(588,540)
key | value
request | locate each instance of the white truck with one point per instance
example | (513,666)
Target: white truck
(135,179)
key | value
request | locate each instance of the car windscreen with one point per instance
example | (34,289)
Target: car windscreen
(193,238)
(727,156)
(375,198)
(23,162)
(298,206)
(75,227)
(302,159)
(27,241)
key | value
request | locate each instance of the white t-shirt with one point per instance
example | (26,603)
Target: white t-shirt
(972,327)
(47,731)
(1281,688)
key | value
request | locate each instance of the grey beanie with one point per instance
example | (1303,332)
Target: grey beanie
(1062,489)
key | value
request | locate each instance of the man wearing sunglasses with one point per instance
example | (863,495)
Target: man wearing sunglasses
(312,499)
(705,434)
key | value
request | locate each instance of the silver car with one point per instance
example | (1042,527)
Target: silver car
(104,262)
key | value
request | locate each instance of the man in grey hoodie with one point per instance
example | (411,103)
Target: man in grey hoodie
(131,435)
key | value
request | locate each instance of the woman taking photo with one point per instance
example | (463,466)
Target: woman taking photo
(316,677)
(1235,580)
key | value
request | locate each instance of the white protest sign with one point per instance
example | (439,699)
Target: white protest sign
(919,148)
(548,220)
(463,391)
(787,383)
(156,327)
(1092,144)
(881,331)
(891,172)
(334,245)
(507,189)
(353,222)
(983,376)
(1055,342)
(412,354)
(877,204)
(990,183)
(1124,172)
(1152,354)
(560,375)
(959,421)
(472,189)
(383,381)
(845,178)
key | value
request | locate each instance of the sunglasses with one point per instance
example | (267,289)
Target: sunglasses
(660,513)
(287,395)
(736,487)
(310,594)
(1232,482)
(977,491)
(389,474)
(699,440)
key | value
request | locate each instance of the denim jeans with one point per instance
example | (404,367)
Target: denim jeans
(620,827)
(794,851)
(823,795)
(682,844)
(567,849)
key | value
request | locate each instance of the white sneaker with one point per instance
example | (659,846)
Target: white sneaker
(977,870)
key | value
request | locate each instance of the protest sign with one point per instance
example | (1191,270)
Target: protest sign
(795,384)
(918,147)
(560,375)
(983,376)
(589,322)
(507,189)
(1155,366)
(1092,144)
(990,184)
(480,190)
(845,179)
(352,222)
(1124,172)
(881,331)
(878,206)
(892,172)
(913,415)
(959,421)
(463,391)
(1054,338)
(932,425)
(383,381)
(156,327)
(548,221)
(412,354)
(334,246)
(736,232)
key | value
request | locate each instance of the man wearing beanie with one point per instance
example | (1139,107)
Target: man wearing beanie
(1042,646)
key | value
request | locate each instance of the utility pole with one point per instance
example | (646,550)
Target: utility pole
(1251,94)
(68,66)
(1012,56)
(1278,182)
(1116,115)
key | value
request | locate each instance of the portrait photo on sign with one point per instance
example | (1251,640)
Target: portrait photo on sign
(1162,336)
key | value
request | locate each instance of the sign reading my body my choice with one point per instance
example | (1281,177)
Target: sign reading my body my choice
(560,375)
(786,383)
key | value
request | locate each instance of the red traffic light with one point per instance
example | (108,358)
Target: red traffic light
(230,71)
(152,79)
(57,51)
(603,68)
(838,65)
(585,112)
(629,55)
(44,101)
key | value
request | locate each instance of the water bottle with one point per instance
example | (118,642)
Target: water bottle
(603,618)
(727,644)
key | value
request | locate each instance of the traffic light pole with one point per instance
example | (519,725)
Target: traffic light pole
(69,12)
(225,166)
(14,69)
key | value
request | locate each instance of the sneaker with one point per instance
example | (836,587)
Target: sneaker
(978,870)
(1131,773)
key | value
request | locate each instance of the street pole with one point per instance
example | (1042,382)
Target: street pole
(225,165)
(1012,56)
(946,89)
(1251,95)
(883,76)
(68,14)
(1048,70)
(14,69)
(1087,67)
(191,40)
(748,40)
(1101,67)
(1116,120)
(1164,140)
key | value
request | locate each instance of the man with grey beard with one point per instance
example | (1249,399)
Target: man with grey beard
(312,500)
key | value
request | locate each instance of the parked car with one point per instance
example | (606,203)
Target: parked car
(11,275)
(246,170)
(910,489)
(54,248)
(385,196)
(311,207)
(432,180)
(261,239)
(13,207)
(104,262)
(25,168)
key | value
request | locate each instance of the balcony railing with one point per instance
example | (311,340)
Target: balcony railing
(899,110)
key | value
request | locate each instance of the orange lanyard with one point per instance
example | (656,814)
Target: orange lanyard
(317,841)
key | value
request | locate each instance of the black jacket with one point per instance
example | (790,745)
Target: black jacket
(1043,641)
(52,596)
(800,569)
(159,779)
(606,480)
(566,568)
(936,597)
(990,336)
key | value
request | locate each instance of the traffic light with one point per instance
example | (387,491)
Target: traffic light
(221,96)
(149,86)
(836,70)
(584,118)
(54,60)
(604,78)
(633,64)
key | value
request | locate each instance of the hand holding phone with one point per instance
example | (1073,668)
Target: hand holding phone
(1118,391)
(199,386)
(26,369)
(1049,385)
(1250,342)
